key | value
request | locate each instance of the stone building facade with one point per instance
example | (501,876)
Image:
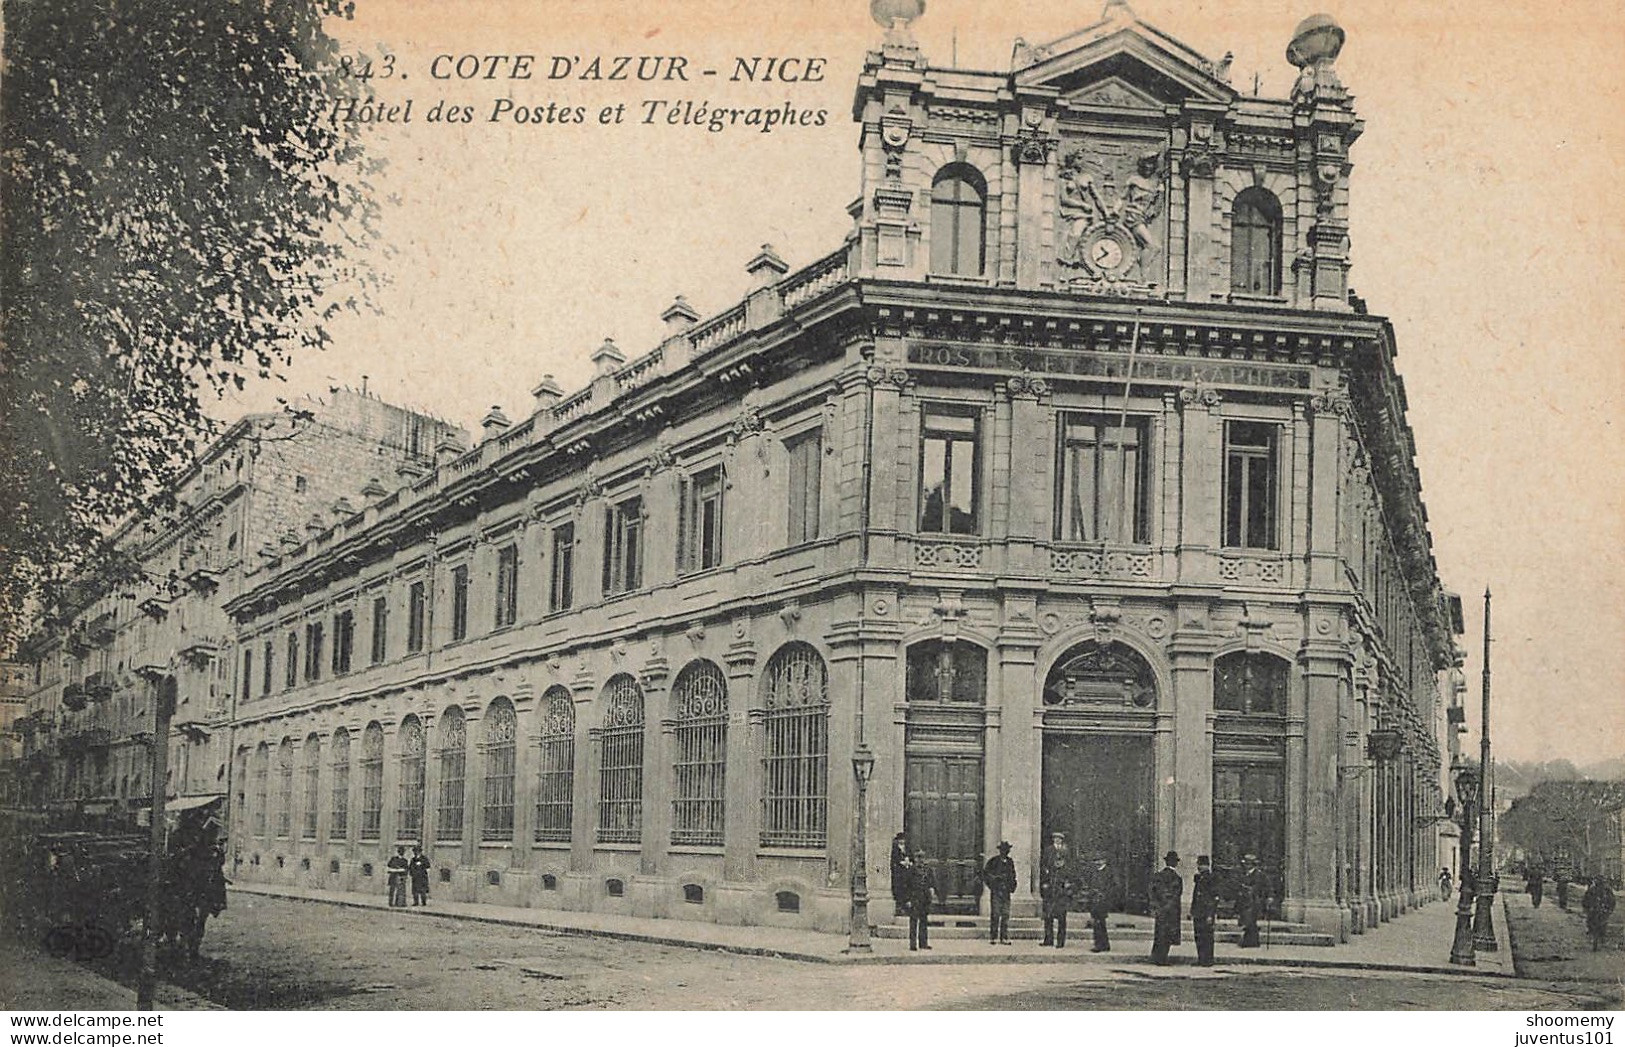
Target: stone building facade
(264,484)
(1072,493)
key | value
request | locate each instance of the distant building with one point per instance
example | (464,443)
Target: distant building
(265,484)
(1073,492)
(15,683)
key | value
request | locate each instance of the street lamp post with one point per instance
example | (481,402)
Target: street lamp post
(1461,947)
(857,939)
(1488,884)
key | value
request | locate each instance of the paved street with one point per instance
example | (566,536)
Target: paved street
(1552,945)
(278,953)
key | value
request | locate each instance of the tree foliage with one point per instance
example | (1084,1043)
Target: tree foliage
(181,214)
(1559,817)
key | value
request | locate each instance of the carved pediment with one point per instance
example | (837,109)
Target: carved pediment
(1126,65)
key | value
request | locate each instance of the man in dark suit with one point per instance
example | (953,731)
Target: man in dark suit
(1250,894)
(1100,905)
(899,873)
(1057,884)
(1167,888)
(922,887)
(999,874)
(1204,909)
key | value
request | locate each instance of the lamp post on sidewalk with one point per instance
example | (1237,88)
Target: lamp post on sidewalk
(857,939)
(1488,884)
(1461,947)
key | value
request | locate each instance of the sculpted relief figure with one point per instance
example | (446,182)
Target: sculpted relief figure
(1106,231)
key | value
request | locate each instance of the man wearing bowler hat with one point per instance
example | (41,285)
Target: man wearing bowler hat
(1167,887)
(1100,904)
(1057,884)
(1204,908)
(1000,877)
(1250,893)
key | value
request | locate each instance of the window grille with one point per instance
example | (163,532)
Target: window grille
(700,699)
(409,808)
(339,823)
(496,823)
(453,766)
(372,782)
(620,774)
(262,761)
(795,761)
(555,784)
(1250,683)
(284,770)
(313,785)
(806,460)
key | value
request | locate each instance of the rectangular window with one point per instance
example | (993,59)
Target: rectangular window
(699,521)
(806,462)
(1250,472)
(561,595)
(1101,489)
(290,673)
(623,547)
(417,604)
(265,670)
(380,629)
(313,652)
(343,642)
(459,602)
(949,464)
(247,690)
(507,586)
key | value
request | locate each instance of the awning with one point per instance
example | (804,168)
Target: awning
(187,803)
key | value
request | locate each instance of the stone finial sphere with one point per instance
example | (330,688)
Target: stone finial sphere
(1318,38)
(888,12)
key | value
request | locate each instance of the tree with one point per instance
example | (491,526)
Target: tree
(182,213)
(1563,817)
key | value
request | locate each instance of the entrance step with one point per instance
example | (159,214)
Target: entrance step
(1124,927)
(1080,932)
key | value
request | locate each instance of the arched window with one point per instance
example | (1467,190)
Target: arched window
(313,786)
(241,810)
(958,221)
(284,806)
(795,759)
(453,767)
(1251,683)
(338,827)
(372,781)
(620,770)
(1255,243)
(555,781)
(262,768)
(947,671)
(700,700)
(496,822)
(409,808)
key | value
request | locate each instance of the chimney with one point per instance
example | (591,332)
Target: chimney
(495,423)
(766,268)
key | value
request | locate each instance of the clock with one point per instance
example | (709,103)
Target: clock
(1105,255)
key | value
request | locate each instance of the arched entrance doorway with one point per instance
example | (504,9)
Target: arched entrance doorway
(1098,780)
(944,758)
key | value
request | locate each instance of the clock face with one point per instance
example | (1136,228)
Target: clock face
(1106,254)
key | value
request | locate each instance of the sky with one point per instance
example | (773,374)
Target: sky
(1486,223)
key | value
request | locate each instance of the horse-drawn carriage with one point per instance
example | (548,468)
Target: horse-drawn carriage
(84,892)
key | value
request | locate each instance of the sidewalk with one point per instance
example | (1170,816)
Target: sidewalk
(1419,941)
(36,981)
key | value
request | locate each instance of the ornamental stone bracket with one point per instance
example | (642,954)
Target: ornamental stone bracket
(1198,394)
(1027,387)
(1032,147)
(898,377)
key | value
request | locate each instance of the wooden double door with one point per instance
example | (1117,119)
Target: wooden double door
(1098,790)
